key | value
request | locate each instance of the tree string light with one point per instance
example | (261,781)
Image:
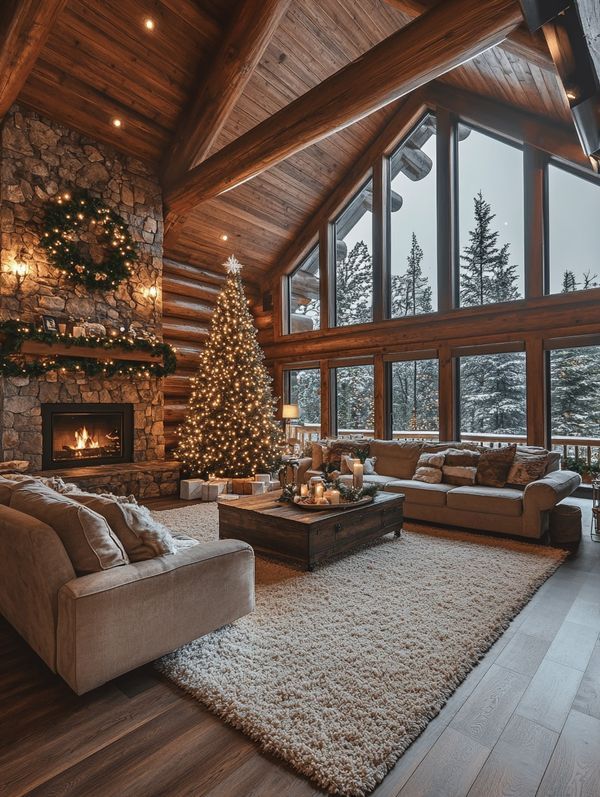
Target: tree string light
(230,429)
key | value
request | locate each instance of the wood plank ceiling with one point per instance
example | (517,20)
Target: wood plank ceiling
(99,63)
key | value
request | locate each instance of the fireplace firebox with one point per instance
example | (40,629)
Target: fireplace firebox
(80,435)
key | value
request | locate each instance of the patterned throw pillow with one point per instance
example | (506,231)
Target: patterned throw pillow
(319,453)
(527,468)
(427,474)
(459,475)
(494,465)
(341,447)
(431,460)
(458,457)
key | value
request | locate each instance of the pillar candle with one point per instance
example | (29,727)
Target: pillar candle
(319,489)
(304,490)
(357,479)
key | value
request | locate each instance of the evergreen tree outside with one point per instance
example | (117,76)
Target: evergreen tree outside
(411,291)
(305,391)
(355,397)
(230,429)
(354,287)
(486,275)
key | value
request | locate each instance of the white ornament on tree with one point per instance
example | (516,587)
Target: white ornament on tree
(233,265)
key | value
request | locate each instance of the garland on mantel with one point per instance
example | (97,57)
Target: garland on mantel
(75,212)
(14,333)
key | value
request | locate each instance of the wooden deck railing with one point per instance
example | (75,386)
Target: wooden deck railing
(581,449)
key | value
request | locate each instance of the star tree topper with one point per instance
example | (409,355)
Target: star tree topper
(233,265)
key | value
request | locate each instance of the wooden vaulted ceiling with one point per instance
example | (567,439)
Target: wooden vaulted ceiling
(99,63)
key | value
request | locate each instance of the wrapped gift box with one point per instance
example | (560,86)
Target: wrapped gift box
(258,488)
(210,491)
(241,486)
(274,484)
(191,489)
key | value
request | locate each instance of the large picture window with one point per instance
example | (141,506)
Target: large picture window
(575,404)
(354,399)
(413,223)
(353,241)
(415,399)
(304,312)
(303,387)
(491,219)
(573,220)
(492,396)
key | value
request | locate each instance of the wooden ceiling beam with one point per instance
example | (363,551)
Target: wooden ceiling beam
(522,43)
(434,43)
(24,28)
(243,46)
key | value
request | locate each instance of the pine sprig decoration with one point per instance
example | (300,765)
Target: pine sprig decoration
(230,429)
(78,211)
(12,363)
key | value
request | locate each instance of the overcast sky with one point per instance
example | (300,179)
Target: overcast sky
(496,169)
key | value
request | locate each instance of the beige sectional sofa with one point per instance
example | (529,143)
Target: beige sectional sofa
(92,628)
(524,512)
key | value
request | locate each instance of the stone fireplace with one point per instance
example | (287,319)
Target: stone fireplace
(40,159)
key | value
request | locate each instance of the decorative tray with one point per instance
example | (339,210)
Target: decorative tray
(368,499)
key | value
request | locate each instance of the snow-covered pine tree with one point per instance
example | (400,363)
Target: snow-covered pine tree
(354,286)
(411,291)
(230,429)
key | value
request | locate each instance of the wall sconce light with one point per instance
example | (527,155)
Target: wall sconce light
(20,271)
(153,292)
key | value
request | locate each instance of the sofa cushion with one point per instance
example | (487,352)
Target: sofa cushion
(395,458)
(88,539)
(494,465)
(459,475)
(373,478)
(142,536)
(527,467)
(487,500)
(461,458)
(420,492)
(431,475)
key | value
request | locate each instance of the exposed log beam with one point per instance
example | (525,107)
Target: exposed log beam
(200,124)
(24,28)
(434,43)
(520,42)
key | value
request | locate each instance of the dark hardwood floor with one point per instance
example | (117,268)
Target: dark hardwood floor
(526,721)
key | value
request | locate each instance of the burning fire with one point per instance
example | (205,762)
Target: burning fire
(83,439)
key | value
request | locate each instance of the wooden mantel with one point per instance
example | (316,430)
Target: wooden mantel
(36,349)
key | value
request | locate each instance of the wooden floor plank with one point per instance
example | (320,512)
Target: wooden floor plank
(574,769)
(573,645)
(524,653)
(517,762)
(587,699)
(549,696)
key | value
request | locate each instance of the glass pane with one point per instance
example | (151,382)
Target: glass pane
(573,223)
(492,396)
(355,399)
(490,191)
(415,399)
(575,405)
(304,295)
(305,391)
(413,223)
(354,260)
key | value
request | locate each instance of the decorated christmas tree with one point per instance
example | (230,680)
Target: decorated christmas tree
(230,429)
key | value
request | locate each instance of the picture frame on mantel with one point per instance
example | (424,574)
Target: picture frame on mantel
(50,324)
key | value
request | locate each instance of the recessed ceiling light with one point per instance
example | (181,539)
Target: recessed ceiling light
(149,23)
(117,122)
(571,95)
(224,237)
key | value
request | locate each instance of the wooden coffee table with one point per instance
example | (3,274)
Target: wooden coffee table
(307,537)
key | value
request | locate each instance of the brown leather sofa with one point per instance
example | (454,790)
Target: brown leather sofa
(92,628)
(523,512)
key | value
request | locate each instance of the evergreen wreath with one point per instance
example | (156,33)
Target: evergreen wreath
(73,212)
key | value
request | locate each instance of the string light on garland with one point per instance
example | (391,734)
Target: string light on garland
(12,362)
(73,213)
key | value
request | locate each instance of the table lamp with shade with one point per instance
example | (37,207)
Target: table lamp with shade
(289,412)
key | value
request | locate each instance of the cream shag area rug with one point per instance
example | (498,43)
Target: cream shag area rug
(339,670)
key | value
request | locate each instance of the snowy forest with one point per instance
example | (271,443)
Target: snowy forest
(492,387)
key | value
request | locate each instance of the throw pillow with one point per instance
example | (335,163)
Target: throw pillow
(8,484)
(456,457)
(459,475)
(141,535)
(429,475)
(88,539)
(494,465)
(431,460)
(527,468)
(318,456)
(341,447)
